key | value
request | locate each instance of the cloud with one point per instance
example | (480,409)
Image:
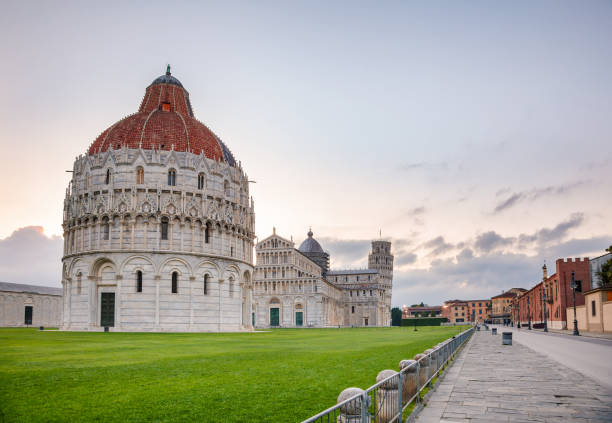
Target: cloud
(509,202)
(417,211)
(438,246)
(29,256)
(405,258)
(490,241)
(346,252)
(408,167)
(533,195)
(560,231)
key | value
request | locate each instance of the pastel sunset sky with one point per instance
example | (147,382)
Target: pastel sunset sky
(475,135)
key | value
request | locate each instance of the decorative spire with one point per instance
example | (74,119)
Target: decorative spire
(310,232)
(168,70)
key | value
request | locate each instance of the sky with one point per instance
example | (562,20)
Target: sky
(476,136)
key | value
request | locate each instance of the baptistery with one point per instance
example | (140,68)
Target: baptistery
(158,225)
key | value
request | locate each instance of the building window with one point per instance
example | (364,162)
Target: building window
(164,229)
(370,292)
(106,229)
(206,284)
(207,233)
(593,311)
(108,177)
(139,175)
(231,287)
(174,282)
(231,251)
(226,188)
(139,281)
(87,181)
(350,293)
(201,181)
(352,309)
(79,284)
(172,177)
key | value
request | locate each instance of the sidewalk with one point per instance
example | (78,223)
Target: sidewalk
(490,382)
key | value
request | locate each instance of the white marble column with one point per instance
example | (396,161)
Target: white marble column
(157,278)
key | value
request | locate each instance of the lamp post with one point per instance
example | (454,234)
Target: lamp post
(544,299)
(518,308)
(528,314)
(574,286)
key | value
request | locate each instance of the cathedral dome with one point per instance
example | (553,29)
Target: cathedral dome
(164,121)
(310,245)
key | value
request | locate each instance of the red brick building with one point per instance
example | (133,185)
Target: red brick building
(558,295)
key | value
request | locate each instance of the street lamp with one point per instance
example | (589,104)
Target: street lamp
(518,307)
(528,314)
(544,299)
(574,286)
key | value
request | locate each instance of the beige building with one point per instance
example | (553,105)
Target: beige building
(596,313)
(294,287)
(29,305)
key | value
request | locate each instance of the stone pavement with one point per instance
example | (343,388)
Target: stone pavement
(490,382)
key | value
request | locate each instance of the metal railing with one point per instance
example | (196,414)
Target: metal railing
(386,401)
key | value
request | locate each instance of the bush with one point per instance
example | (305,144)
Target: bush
(424,321)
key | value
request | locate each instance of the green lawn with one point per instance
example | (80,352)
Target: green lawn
(280,375)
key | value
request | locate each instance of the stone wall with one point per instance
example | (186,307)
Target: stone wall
(46,309)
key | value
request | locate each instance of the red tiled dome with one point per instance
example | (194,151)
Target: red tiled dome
(164,119)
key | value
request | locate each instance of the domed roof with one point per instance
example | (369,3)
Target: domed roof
(164,121)
(310,245)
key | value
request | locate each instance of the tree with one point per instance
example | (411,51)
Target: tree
(605,271)
(396,316)
(432,314)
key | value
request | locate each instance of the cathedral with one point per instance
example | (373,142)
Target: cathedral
(158,225)
(295,287)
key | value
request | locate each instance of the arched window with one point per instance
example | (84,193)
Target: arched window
(174,282)
(79,284)
(231,287)
(164,228)
(139,175)
(108,177)
(201,181)
(139,281)
(105,228)
(207,233)
(172,177)
(206,284)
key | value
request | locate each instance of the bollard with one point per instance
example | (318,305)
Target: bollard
(493,331)
(424,369)
(506,338)
(410,379)
(387,397)
(351,411)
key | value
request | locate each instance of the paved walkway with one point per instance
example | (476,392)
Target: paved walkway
(489,382)
(580,353)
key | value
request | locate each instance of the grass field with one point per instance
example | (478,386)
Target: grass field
(281,375)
